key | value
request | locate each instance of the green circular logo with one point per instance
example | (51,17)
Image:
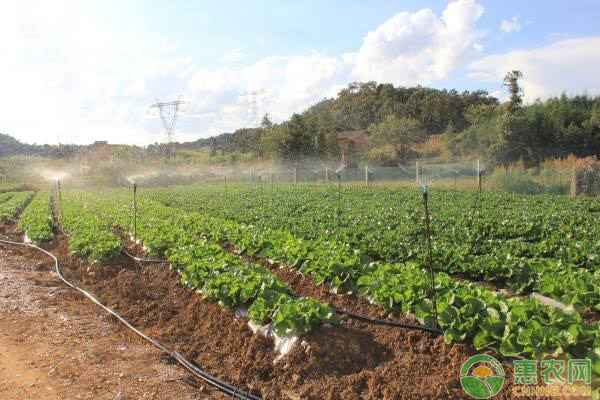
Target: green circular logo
(482,376)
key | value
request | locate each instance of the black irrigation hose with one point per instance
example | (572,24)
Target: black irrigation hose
(234,391)
(388,323)
(337,310)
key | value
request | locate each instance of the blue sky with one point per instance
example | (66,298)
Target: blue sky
(87,70)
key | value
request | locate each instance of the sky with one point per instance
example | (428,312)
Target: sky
(77,71)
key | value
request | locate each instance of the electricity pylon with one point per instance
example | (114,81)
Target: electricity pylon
(168,113)
(253,94)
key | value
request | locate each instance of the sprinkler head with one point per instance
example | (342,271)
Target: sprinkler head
(135,187)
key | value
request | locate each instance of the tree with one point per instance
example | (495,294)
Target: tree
(401,133)
(451,139)
(266,122)
(289,141)
(297,143)
(511,81)
(479,113)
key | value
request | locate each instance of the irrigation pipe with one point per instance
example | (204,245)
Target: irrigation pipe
(188,365)
(337,310)
(388,323)
(148,260)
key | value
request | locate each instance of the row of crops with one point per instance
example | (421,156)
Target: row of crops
(11,203)
(175,225)
(37,220)
(546,244)
(206,267)
(371,243)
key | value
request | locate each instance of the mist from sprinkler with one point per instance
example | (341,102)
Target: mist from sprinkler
(52,175)
(403,168)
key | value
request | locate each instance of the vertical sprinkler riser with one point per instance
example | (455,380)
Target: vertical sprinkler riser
(135,212)
(339,195)
(432,274)
(59,198)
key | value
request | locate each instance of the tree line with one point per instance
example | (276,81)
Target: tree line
(471,124)
(398,121)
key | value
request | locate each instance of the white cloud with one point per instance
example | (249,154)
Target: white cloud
(417,48)
(58,75)
(500,95)
(567,65)
(513,25)
(292,83)
(69,76)
(235,55)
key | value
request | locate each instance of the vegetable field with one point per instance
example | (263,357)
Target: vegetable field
(517,277)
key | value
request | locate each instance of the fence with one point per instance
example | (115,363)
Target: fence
(457,175)
(453,176)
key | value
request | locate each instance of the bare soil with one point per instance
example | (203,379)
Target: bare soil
(54,344)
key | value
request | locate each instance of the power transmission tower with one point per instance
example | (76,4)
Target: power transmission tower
(168,113)
(254,121)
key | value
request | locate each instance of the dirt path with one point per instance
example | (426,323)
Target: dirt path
(55,345)
(20,377)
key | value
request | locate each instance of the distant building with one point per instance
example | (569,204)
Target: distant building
(352,145)
(97,152)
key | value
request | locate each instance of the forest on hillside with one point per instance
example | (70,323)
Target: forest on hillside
(398,120)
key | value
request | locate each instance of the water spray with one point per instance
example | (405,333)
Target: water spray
(432,274)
